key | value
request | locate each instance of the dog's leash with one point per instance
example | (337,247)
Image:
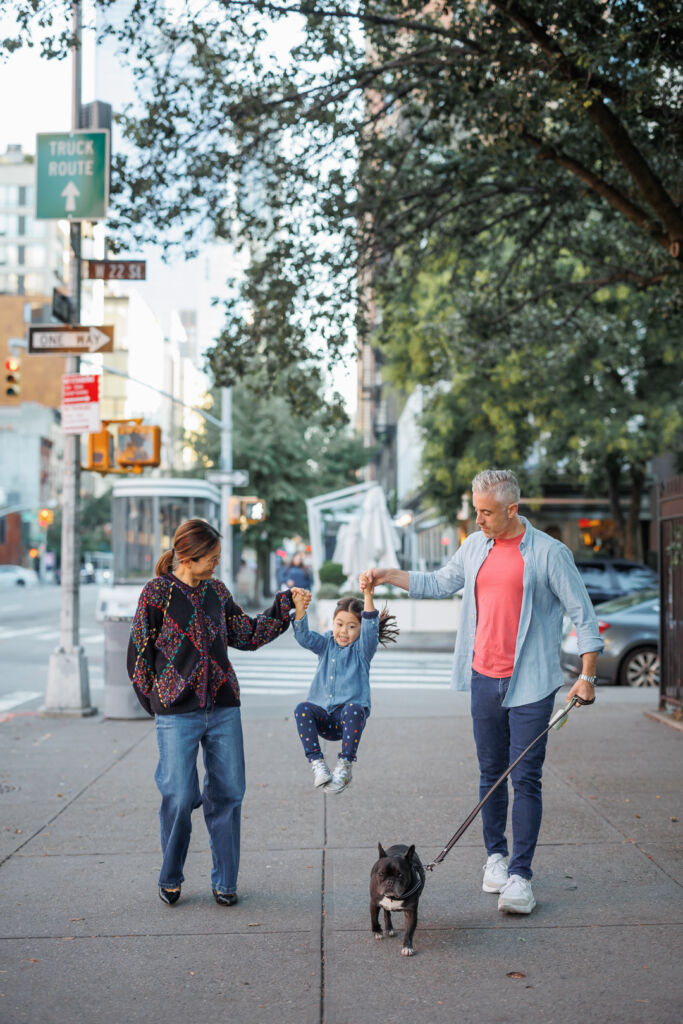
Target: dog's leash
(555,720)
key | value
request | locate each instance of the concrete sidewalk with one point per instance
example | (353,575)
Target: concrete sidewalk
(86,940)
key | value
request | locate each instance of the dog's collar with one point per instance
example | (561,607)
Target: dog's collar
(420,881)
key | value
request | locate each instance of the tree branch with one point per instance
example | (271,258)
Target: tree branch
(613,196)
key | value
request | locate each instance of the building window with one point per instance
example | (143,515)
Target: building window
(34,284)
(9,283)
(36,256)
(11,253)
(35,228)
(9,225)
(9,195)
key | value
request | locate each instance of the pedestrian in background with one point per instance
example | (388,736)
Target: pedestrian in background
(517,583)
(295,574)
(338,702)
(178,663)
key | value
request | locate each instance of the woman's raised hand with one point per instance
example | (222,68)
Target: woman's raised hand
(302,599)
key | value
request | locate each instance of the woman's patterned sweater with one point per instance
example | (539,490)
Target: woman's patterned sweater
(178,650)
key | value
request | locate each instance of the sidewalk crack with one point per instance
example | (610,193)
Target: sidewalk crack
(74,798)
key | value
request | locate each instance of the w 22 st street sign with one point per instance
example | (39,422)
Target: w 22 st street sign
(72,175)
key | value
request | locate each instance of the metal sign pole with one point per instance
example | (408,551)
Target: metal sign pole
(68,688)
(226,488)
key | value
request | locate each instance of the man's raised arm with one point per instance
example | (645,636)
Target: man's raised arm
(395,577)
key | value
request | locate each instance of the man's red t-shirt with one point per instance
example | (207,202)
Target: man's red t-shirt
(498,593)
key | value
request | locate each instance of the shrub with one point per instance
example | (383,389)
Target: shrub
(332,572)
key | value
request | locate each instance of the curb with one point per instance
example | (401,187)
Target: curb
(664,718)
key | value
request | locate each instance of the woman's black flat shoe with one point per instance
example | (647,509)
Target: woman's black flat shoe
(169,896)
(226,899)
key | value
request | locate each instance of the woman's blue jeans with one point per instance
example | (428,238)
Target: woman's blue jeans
(219,730)
(500,735)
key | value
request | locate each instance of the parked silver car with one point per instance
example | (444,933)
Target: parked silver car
(17,576)
(629,626)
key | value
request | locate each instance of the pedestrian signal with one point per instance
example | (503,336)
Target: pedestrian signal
(244,511)
(13,376)
(100,451)
(46,517)
(138,446)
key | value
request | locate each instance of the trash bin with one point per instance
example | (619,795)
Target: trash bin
(119,696)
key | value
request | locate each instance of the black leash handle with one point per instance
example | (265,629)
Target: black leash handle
(554,720)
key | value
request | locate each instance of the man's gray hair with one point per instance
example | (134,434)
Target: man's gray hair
(502,481)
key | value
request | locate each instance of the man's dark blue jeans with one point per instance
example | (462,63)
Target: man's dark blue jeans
(500,735)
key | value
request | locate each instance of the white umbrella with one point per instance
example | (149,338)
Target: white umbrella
(369,538)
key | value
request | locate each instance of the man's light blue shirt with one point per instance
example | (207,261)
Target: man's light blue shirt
(343,673)
(552,587)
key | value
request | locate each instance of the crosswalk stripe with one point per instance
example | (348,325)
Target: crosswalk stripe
(13,700)
(49,635)
(290,673)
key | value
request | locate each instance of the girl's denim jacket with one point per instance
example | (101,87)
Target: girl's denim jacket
(552,587)
(343,673)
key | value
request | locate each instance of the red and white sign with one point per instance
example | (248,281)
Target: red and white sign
(81,403)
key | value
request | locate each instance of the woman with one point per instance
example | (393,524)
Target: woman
(178,663)
(295,574)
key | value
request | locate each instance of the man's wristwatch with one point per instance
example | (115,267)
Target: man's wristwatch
(589,679)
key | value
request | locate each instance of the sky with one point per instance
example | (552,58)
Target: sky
(41,102)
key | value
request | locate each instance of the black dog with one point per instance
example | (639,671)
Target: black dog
(396,883)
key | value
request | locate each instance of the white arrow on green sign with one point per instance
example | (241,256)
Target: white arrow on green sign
(72,175)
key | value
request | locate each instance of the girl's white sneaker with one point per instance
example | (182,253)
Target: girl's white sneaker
(321,773)
(516,897)
(495,873)
(341,776)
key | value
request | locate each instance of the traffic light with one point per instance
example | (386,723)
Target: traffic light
(46,517)
(138,446)
(13,376)
(243,510)
(100,451)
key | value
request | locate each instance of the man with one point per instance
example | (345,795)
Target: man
(517,582)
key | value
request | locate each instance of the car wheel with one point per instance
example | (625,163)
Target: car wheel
(640,668)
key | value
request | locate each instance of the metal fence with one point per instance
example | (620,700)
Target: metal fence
(670,517)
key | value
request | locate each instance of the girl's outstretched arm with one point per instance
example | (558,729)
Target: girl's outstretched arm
(367,585)
(369,632)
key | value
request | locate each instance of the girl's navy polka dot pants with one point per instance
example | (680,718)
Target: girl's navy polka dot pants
(345,723)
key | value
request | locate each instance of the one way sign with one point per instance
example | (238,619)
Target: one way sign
(74,339)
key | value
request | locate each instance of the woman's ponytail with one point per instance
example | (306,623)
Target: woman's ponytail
(165,563)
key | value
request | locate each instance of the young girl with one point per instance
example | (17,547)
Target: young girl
(338,703)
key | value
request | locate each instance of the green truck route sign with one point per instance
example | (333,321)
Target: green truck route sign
(72,175)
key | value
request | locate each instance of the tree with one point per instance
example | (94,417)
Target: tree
(534,146)
(289,458)
(586,393)
(397,127)
(94,526)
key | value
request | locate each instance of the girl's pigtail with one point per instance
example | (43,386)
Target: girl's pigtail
(388,630)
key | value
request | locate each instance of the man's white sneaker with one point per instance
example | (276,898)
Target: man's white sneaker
(495,873)
(341,776)
(321,773)
(516,896)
